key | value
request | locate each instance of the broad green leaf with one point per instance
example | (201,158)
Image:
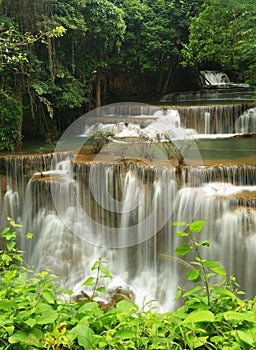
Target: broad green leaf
(10,245)
(105,272)
(6,259)
(219,270)
(209,263)
(197,226)
(200,316)
(5,230)
(225,291)
(30,337)
(238,316)
(7,305)
(91,308)
(95,266)
(101,289)
(30,322)
(194,275)
(126,306)
(246,337)
(45,314)
(183,249)
(90,281)
(83,333)
(49,296)
(125,334)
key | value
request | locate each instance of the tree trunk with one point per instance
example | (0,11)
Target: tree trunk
(19,141)
(98,89)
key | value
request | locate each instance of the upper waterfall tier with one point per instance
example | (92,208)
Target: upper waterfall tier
(214,85)
(209,119)
(213,79)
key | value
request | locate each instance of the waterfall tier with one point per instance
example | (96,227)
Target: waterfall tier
(125,196)
(213,119)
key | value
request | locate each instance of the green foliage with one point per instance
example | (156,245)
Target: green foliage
(223,34)
(99,139)
(213,315)
(63,58)
(35,314)
(10,114)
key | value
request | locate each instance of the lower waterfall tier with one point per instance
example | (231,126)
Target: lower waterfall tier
(123,213)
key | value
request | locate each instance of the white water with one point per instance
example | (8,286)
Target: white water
(215,194)
(246,123)
(120,198)
(211,121)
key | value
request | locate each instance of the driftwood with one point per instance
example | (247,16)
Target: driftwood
(116,295)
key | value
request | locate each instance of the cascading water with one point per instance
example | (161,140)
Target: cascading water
(79,211)
(214,86)
(246,123)
(204,120)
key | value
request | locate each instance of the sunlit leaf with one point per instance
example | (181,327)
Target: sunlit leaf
(183,249)
(197,226)
(194,275)
(200,316)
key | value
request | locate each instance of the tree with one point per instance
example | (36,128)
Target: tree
(103,38)
(223,35)
(150,52)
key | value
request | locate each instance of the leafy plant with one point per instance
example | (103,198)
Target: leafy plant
(213,315)
(10,114)
(101,138)
(36,314)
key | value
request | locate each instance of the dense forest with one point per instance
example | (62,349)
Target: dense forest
(59,59)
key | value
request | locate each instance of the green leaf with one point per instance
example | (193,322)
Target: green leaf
(83,333)
(246,337)
(192,291)
(219,270)
(197,226)
(105,272)
(126,306)
(29,337)
(238,316)
(194,275)
(49,296)
(183,249)
(101,289)
(31,322)
(125,334)
(209,263)
(95,266)
(45,314)
(10,245)
(29,235)
(181,223)
(6,259)
(205,243)
(200,316)
(182,234)
(89,281)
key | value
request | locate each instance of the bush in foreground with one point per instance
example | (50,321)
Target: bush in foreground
(35,315)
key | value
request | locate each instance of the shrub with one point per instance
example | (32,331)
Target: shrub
(36,314)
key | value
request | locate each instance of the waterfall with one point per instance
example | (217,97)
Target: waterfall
(214,78)
(204,120)
(246,123)
(127,218)
(212,119)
